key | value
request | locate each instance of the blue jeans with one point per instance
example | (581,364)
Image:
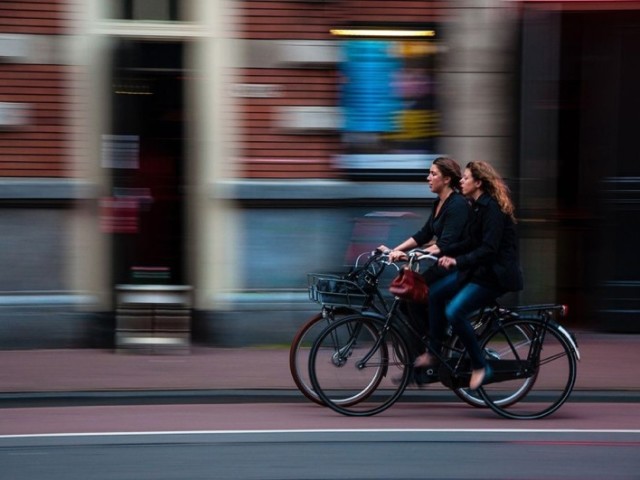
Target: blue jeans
(453,303)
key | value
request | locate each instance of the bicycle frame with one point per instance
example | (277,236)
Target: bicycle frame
(387,322)
(456,374)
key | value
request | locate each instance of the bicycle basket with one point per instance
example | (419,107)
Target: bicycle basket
(335,290)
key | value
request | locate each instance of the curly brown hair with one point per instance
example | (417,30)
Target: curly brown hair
(494,185)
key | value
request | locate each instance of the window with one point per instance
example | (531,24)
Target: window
(159,10)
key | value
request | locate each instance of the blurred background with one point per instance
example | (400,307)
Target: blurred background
(170,170)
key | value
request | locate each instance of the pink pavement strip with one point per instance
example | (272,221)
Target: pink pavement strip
(609,362)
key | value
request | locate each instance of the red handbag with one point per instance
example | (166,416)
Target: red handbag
(410,285)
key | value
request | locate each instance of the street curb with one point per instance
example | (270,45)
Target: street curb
(189,397)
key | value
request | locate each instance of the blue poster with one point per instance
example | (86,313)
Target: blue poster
(387,100)
(369,101)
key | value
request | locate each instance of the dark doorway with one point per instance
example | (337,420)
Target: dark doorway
(598,165)
(145,154)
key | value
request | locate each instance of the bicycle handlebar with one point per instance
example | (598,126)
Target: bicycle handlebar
(419,254)
(414,256)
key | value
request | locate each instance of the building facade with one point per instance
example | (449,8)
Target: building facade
(171,170)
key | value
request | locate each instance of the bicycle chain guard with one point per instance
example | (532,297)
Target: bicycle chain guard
(454,376)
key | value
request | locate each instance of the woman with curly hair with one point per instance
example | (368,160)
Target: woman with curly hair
(486,266)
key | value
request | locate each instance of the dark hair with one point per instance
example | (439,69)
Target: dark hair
(449,168)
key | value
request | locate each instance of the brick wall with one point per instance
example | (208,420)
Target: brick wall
(311,20)
(38,146)
(270,151)
(41,147)
(266,150)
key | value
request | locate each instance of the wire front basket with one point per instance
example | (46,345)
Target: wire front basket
(335,290)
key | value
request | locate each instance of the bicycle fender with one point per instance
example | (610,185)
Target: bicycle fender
(570,338)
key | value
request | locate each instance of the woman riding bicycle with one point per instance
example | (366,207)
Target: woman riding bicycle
(448,218)
(444,227)
(486,266)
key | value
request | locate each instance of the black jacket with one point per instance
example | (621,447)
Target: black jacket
(488,254)
(447,227)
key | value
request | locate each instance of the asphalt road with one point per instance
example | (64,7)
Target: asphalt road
(390,454)
(301,440)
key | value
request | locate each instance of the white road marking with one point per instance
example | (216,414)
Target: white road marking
(270,432)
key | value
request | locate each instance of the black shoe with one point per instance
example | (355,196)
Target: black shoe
(419,377)
(426,375)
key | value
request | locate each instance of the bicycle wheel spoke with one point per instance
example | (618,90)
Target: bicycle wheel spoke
(552,358)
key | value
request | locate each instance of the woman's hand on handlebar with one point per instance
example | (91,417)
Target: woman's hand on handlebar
(394,255)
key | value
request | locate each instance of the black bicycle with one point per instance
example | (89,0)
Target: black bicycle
(360,291)
(533,358)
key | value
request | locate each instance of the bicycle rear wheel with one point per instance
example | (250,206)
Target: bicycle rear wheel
(354,371)
(515,362)
(301,346)
(512,391)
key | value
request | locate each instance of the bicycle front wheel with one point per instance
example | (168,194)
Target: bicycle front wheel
(522,350)
(354,371)
(301,346)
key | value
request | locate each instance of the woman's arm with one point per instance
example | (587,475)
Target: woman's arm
(425,234)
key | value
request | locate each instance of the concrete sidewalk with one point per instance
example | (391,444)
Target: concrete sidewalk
(610,362)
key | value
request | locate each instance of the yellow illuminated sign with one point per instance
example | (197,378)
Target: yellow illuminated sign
(415,124)
(347,32)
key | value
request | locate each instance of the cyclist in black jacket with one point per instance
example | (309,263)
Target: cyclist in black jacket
(486,265)
(445,226)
